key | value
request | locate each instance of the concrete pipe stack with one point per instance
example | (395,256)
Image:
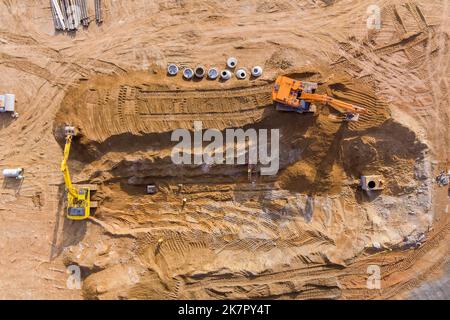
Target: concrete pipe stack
(200,71)
(69,14)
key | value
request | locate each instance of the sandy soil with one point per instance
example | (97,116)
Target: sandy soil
(308,232)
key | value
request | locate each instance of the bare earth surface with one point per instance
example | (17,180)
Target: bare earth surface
(307,232)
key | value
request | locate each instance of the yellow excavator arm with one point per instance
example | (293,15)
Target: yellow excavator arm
(79,202)
(65,168)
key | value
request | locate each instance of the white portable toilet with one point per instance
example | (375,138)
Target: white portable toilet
(7,102)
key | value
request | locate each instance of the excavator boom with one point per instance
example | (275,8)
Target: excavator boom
(337,104)
(65,168)
(78,198)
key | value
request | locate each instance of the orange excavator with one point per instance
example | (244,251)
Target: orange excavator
(298,96)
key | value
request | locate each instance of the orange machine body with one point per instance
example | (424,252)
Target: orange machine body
(296,95)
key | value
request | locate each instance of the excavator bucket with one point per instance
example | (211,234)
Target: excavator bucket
(69,131)
(351,117)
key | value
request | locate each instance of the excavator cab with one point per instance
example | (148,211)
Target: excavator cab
(79,204)
(287,95)
(79,208)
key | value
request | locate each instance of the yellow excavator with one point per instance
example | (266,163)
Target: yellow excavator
(79,204)
(297,96)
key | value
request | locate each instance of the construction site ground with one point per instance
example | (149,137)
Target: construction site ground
(308,232)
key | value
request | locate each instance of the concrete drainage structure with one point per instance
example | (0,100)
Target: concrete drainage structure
(172,69)
(213,73)
(241,74)
(188,73)
(225,75)
(200,72)
(372,183)
(256,71)
(232,62)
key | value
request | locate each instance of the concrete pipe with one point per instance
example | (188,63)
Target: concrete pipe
(213,73)
(13,173)
(256,71)
(232,62)
(241,74)
(188,73)
(172,69)
(225,75)
(200,71)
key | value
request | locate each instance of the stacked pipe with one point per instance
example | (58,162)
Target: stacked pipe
(84,13)
(67,14)
(98,11)
(58,18)
(72,15)
(63,7)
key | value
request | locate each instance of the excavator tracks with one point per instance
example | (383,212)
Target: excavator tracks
(138,111)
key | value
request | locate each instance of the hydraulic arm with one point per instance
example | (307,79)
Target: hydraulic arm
(79,202)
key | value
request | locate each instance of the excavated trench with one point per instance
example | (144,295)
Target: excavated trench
(247,234)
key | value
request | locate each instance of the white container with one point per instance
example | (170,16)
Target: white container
(9,102)
(13,173)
